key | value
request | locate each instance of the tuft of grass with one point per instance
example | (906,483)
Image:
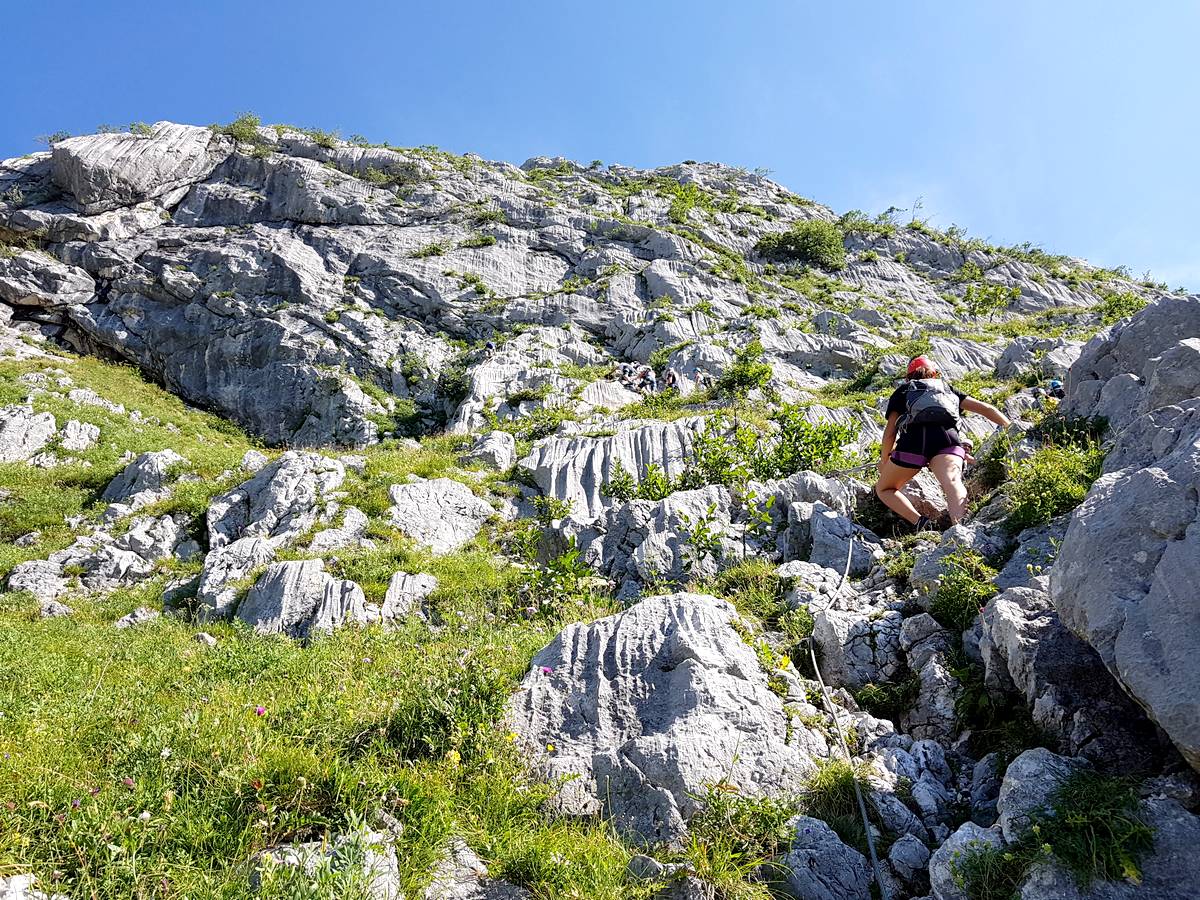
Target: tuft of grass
(889,700)
(964,590)
(1092,828)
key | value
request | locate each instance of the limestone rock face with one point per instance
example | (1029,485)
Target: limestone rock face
(282,501)
(820,865)
(440,513)
(105,171)
(405,593)
(1126,575)
(575,469)
(300,599)
(647,707)
(23,433)
(1071,695)
(1029,784)
(1111,376)
(496,450)
(30,278)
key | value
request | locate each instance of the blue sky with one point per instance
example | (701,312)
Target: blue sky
(1070,124)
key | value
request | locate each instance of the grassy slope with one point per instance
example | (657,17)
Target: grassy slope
(135,764)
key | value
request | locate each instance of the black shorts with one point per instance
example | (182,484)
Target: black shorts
(921,443)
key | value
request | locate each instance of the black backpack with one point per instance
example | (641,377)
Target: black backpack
(930,401)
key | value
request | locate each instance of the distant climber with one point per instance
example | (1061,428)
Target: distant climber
(671,380)
(922,430)
(1055,389)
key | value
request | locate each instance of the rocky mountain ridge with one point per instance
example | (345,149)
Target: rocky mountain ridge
(674,551)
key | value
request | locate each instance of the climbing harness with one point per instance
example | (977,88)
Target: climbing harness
(832,710)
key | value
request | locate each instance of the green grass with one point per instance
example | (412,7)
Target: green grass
(964,590)
(42,498)
(137,766)
(1054,480)
(1092,828)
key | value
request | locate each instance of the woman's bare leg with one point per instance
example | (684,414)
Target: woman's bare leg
(948,469)
(891,479)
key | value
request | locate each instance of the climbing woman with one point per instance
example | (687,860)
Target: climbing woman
(922,430)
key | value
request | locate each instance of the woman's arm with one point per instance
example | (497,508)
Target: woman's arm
(889,437)
(989,412)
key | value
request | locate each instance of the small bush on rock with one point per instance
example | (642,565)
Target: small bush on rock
(814,242)
(1092,828)
(964,590)
(1052,481)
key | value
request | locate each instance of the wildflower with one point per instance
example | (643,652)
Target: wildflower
(165,753)
(260,710)
(546,670)
(144,816)
(550,748)
(128,782)
(76,803)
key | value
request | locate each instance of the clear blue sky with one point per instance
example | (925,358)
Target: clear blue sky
(1067,123)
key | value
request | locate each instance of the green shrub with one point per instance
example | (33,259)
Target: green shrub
(748,372)
(478,240)
(429,250)
(814,242)
(243,129)
(964,590)
(1096,831)
(1114,306)
(1054,480)
(989,298)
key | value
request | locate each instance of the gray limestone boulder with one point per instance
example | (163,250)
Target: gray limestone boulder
(283,500)
(217,593)
(139,616)
(405,595)
(827,538)
(933,714)
(816,587)
(34,278)
(1037,548)
(300,599)
(908,859)
(819,865)
(105,171)
(921,637)
(495,450)
(350,533)
(23,433)
(441,513)
(1072,696)
(40,577)
(1029,784)
(77,436)
(968,837)
(642,710)
(856,649)
(644,540)
(461,875)
(144,481)
(1126,573)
